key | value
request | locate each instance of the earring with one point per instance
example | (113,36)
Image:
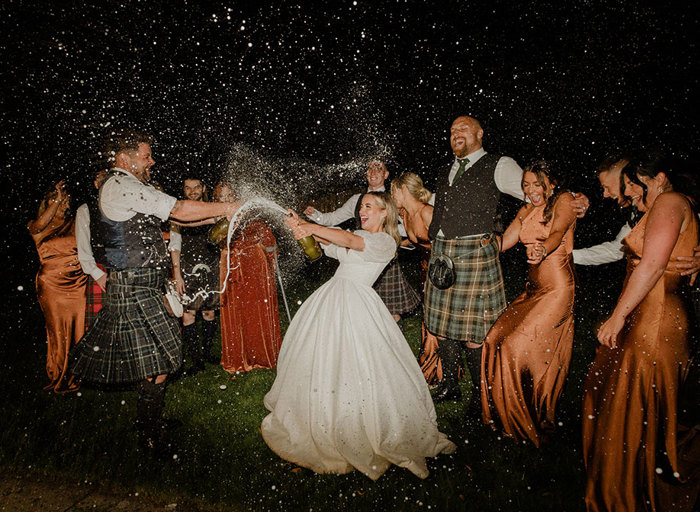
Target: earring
(660,189)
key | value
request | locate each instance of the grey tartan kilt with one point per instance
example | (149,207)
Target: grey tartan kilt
(467,310)
(202,281)
(133,337)
(393,288)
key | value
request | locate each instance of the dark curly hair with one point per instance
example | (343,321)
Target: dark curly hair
(543,169)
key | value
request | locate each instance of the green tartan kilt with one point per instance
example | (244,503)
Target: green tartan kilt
(395,290)
(467,310)
(132,337)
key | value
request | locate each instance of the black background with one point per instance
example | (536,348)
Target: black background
(313,90)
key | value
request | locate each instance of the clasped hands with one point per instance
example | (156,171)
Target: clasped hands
(60,195)
(535,253)
(300,228)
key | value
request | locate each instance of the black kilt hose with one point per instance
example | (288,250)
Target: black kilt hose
(133,337)
(395,291)
(466,310)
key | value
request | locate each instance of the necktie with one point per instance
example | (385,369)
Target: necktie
(462,167)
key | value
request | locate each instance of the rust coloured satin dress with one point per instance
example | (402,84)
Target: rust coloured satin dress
(250,327)
(527,352)
(631,397)
(60,288)
(429,354)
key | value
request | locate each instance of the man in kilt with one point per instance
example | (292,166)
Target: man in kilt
(91,252)
(196,272)
(133,338)
(393,288)
(460,310)
(464,294)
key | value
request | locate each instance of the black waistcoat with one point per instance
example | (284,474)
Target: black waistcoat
(134,243)
(196,247)
(470,205)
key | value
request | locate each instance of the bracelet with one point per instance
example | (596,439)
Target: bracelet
(544,251)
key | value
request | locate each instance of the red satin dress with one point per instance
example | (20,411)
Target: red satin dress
(429,354)
(637,455)
(60,288)
(250,327)
(527,351)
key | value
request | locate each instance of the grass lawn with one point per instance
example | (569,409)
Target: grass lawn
(223,463)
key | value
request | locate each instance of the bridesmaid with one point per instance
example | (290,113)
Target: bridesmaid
(633,444)
(527,351)
(412,199)
(60,284)
(250,325)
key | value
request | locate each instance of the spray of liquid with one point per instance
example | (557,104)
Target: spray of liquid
(254,203)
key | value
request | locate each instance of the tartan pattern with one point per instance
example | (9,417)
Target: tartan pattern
(133,337)
(467,309)
(393,288)
(93,299)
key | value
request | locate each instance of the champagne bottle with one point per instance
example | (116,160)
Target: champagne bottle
(218,231)
(311,247)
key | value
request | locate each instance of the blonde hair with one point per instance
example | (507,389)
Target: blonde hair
(414,185)
(390,224)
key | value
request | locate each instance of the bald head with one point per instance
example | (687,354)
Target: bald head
(465,136)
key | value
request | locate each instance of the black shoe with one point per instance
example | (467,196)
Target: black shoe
(158,448)
(474,409)
(445,394)
(212,359)
(196,368)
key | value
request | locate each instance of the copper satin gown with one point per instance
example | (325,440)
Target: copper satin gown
(60,288)
(429,354)
(250,326)
(526,353)
(631,397)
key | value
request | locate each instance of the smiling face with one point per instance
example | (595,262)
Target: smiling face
(137,162)
(376,175)
(465,136)
(536,191)
(635,192)
(610,182)
(371,215)
(193,190)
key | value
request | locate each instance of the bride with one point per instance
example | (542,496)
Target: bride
(349,393)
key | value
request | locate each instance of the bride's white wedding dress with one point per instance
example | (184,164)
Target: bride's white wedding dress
(349,393)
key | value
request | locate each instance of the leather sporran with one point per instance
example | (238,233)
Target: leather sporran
(172,301)
(441,272)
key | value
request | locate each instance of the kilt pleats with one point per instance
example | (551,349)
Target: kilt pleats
(395,291)
(468,309)
(132,337)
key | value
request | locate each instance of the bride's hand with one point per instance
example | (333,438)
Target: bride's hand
(300,228)
(292,219)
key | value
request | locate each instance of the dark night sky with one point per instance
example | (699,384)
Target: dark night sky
(316,87)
